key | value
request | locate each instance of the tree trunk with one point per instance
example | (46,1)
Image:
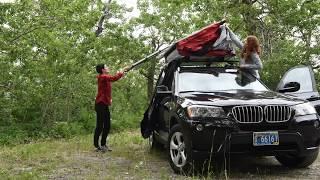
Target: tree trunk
(152,69)
(307,55)
(150,77)
(249,17)
(106,13)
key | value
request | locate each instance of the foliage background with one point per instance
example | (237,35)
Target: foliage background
(49,48)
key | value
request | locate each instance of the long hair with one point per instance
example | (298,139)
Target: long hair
(251,45)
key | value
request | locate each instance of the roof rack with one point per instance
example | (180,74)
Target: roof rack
(207,61)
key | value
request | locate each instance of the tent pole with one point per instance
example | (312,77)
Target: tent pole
(146,58)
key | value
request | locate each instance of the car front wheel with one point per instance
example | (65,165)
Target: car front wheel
(178,151)
(297,161)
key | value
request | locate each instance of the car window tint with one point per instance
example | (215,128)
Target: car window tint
(302,76)
(192,81)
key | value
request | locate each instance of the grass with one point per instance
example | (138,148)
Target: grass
(131,159)
(76,159)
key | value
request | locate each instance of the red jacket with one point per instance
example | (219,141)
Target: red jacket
(104,87)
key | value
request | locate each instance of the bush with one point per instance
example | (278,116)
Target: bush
(13,135)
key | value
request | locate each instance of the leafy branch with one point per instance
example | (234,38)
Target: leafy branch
(27,32)
(106,13)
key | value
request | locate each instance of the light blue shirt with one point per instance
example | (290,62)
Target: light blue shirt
(253,64)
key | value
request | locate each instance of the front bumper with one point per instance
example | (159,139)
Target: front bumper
(301,138)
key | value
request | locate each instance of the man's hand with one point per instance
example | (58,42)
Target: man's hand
(126,69)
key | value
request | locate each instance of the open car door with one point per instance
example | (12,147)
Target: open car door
(300,82)
(151,119)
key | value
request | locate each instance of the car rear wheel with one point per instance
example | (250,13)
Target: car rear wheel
(294,161)
(179,151)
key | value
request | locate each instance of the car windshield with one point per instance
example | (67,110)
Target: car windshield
(223,81)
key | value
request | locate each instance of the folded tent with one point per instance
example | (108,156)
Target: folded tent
(209,42)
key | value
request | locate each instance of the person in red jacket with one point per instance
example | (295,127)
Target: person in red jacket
(102,103)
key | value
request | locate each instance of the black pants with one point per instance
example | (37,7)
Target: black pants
(103,124)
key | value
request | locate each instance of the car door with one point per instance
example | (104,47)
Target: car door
(303,77)
(150,121)
(166,104)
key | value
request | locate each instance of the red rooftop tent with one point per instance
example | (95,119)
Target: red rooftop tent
(211,41)
(201,42)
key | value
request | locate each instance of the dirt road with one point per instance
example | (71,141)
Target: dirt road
(130,159)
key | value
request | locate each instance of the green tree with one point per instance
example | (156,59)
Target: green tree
(48,53)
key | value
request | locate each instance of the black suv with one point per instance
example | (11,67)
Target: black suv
(205,111)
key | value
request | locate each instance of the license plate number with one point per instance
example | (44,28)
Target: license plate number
(265,138)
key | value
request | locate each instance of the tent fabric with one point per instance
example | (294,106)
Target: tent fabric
(198,41)
(224,42)
(212,41)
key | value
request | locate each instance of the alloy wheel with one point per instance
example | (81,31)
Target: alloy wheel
(177,149)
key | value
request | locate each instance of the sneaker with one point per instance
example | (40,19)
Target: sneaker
(98,149)
(105,148)
(101,149)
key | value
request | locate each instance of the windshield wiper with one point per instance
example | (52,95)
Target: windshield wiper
(240,90)
(226,90)
(195,91)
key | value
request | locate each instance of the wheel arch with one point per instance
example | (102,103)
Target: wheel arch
(173,121)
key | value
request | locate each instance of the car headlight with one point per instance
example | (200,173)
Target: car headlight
(205,111)
(304,109)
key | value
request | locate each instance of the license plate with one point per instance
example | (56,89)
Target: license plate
(265,138)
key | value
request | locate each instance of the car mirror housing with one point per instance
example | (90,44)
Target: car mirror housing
(162,89)
(290,87)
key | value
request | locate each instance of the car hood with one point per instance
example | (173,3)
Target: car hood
(238,97)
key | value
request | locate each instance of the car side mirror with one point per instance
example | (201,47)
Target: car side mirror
(162,89)
(290,87)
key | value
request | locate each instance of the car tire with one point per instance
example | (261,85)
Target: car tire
(294,161)
(179,152)
(153,143)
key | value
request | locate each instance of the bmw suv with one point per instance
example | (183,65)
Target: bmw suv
(203,112)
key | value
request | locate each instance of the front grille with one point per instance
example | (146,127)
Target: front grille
(256,114)
(275,114)
(248,114)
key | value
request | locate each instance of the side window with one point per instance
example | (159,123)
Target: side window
(166,79)
(170,81)
(161,77)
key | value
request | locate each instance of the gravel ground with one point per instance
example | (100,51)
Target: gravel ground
(130,159)
(154,165)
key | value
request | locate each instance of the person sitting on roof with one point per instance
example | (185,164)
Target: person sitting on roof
(250,55)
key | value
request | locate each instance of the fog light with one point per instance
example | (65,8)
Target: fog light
(316,124)
(199,127)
